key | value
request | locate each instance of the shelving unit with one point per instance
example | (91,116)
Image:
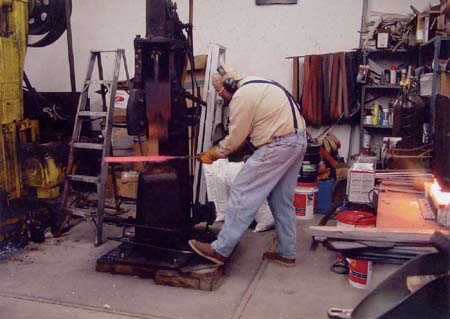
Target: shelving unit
(437,48)
(382,93)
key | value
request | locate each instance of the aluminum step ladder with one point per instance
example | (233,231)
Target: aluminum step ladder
(84,114)
(211,116)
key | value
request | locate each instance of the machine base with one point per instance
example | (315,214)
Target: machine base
(178,270)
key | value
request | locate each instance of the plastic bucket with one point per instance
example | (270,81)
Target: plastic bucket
(311,160)
(325,196)
(360,271)
(356,218)
(305,200)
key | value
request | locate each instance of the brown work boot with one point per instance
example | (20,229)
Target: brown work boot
(274,257)
(205,250)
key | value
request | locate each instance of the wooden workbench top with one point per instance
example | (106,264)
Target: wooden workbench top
(402,210)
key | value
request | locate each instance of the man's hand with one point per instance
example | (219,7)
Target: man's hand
(209,157)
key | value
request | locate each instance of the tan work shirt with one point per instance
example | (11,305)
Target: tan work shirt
(261,111)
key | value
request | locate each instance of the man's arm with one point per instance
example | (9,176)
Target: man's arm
(242,110)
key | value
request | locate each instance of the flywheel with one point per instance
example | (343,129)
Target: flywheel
(47,20)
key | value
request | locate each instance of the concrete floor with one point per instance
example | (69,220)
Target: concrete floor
(57,279)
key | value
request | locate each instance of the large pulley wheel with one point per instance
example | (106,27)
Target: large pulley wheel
(48,20)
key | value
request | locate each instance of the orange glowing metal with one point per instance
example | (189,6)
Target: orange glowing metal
(442,199)
(135,159)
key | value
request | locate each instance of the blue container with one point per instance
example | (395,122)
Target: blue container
(325,196)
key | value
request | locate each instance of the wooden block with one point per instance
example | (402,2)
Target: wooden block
(203,279)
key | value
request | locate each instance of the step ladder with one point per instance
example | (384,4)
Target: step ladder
(104,149)
(211,117)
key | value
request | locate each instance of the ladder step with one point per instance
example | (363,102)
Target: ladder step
(84,178)
(122,125)
(101,51)
(88,146)
(92,114)
(105,82)
(81,212)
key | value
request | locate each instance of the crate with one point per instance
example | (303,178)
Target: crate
(360,182)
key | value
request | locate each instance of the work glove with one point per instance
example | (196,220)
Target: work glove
(209,157)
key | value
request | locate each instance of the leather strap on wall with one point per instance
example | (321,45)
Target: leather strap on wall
(329,86)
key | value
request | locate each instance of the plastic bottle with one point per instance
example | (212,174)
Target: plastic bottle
(394,74)
(380,117)
(387,76)
(376,109)
(403,76)
(391,114)
(386,118)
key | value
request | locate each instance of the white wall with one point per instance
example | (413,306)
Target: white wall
(258,38)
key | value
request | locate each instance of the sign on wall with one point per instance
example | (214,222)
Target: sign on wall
(264,2)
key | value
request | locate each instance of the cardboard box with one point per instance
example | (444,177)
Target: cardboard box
(360,183)
(148,148)
(426,81)
(444,84)
(127,184)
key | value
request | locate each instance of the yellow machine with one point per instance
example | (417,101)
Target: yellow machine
(13,40)
(30,172)
(16,173)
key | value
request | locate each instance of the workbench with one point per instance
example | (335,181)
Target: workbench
(403,210)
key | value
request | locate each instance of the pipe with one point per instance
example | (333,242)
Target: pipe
(70,49)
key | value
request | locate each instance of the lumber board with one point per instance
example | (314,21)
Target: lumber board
(375,234)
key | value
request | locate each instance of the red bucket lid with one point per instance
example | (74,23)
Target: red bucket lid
(356,217)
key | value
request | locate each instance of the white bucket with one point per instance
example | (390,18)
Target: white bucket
(305,202)
(359,271)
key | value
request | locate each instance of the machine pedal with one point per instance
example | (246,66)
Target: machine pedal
(88,146)
(84,178)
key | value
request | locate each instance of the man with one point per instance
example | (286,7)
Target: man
(266,113)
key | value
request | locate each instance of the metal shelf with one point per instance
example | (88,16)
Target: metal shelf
(371,126)
(372,50)
(383,86)
(435,39)
(436,48)
(382,90)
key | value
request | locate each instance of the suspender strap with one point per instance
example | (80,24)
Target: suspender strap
(288,95)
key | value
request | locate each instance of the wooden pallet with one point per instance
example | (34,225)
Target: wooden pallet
(193,272)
